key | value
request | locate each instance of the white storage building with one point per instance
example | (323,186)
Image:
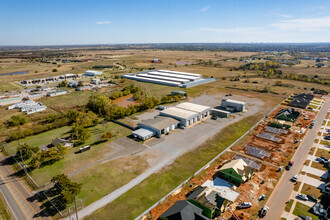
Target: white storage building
(93,73)
(233,105)
(185,117)
(160,125)
(202,110)
(143,133)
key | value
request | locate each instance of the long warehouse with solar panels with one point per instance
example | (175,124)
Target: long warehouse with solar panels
(169,78)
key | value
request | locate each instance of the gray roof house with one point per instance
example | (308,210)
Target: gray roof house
(64,142)
(183,210)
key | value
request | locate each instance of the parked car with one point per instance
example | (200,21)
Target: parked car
(312,198)
(324,158)
(302,197)
(214,117)
(263,211)
(320,160)
(328,131)
(294,178)
(290,164)
(327,137)
(244,205)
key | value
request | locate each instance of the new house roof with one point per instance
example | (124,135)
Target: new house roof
(160,122)
(240,167)
(183,210)
(223,187)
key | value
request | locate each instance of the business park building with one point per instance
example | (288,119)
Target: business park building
(184,114)
(169,78)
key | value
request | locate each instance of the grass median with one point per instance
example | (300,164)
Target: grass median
(141,197)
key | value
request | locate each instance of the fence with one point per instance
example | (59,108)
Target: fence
(204,167)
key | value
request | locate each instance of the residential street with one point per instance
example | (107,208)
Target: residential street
(18,198)
(281,193)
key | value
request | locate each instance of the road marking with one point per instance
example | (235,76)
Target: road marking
(14,196)
(35,212)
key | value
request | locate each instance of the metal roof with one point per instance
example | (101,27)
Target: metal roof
(193,107)
(234,101)
(172,75)
(142,132)
(163,78)
(160,122)
(179,112)
(151,80)
(181,73)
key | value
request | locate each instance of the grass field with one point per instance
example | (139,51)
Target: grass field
(102,179)
(296,186)
(301,209)
(308,189)
(159,184)
(288,206)
(318,166)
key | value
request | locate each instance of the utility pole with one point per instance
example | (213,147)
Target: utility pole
(75,207)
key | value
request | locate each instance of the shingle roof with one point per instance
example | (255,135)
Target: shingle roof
(183,210)
(240,167)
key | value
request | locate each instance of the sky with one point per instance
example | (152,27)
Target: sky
(73,22)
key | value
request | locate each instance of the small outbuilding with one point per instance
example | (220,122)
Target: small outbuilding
(143,133)
(233,105)
(220,113)
(64,142)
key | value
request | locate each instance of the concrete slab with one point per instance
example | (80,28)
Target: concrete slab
(314,171)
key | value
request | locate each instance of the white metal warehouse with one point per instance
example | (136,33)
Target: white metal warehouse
(169,78)
(233,105)
(202,110)
(160,124)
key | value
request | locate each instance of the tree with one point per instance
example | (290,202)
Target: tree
(66,189)
(80,133)
(18,120)
(26,151)
(51,118)
(107,135)
(267,88)
(64,83)
(80,84)
(54,70)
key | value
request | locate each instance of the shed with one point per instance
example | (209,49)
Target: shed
(220,113)
(143,133)
(93,73)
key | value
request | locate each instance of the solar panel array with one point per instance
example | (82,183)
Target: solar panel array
(269,137)
(257,152)
(278,131)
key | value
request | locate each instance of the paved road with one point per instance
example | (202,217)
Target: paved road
(284,187)
(17,195)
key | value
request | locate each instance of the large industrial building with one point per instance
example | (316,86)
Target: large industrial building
(183,114)
(233,105)
(93,73)
(169,78)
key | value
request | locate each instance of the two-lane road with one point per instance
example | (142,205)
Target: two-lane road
(16,195)
(284,187)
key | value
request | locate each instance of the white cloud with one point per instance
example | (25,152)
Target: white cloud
(103,22)
(286,16)
(206,8)
(304,24)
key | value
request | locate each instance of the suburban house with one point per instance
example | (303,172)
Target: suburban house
(236,171)
(213,197)
(183,210)
(288,114)
(302,100)
(64,142)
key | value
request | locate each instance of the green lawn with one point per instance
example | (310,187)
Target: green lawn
(296,186)
(324,142)
(73,161)
(102,179)
(288,206)
(39,139)
(322,152)
(318,166)
(141,197)
(301,209)
(308,189)
(313,106)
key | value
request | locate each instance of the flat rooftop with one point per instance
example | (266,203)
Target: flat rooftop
(193,107)
(223,188)
(173,75)
(179,112)
(163,78)
(234,101)
(181,73)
